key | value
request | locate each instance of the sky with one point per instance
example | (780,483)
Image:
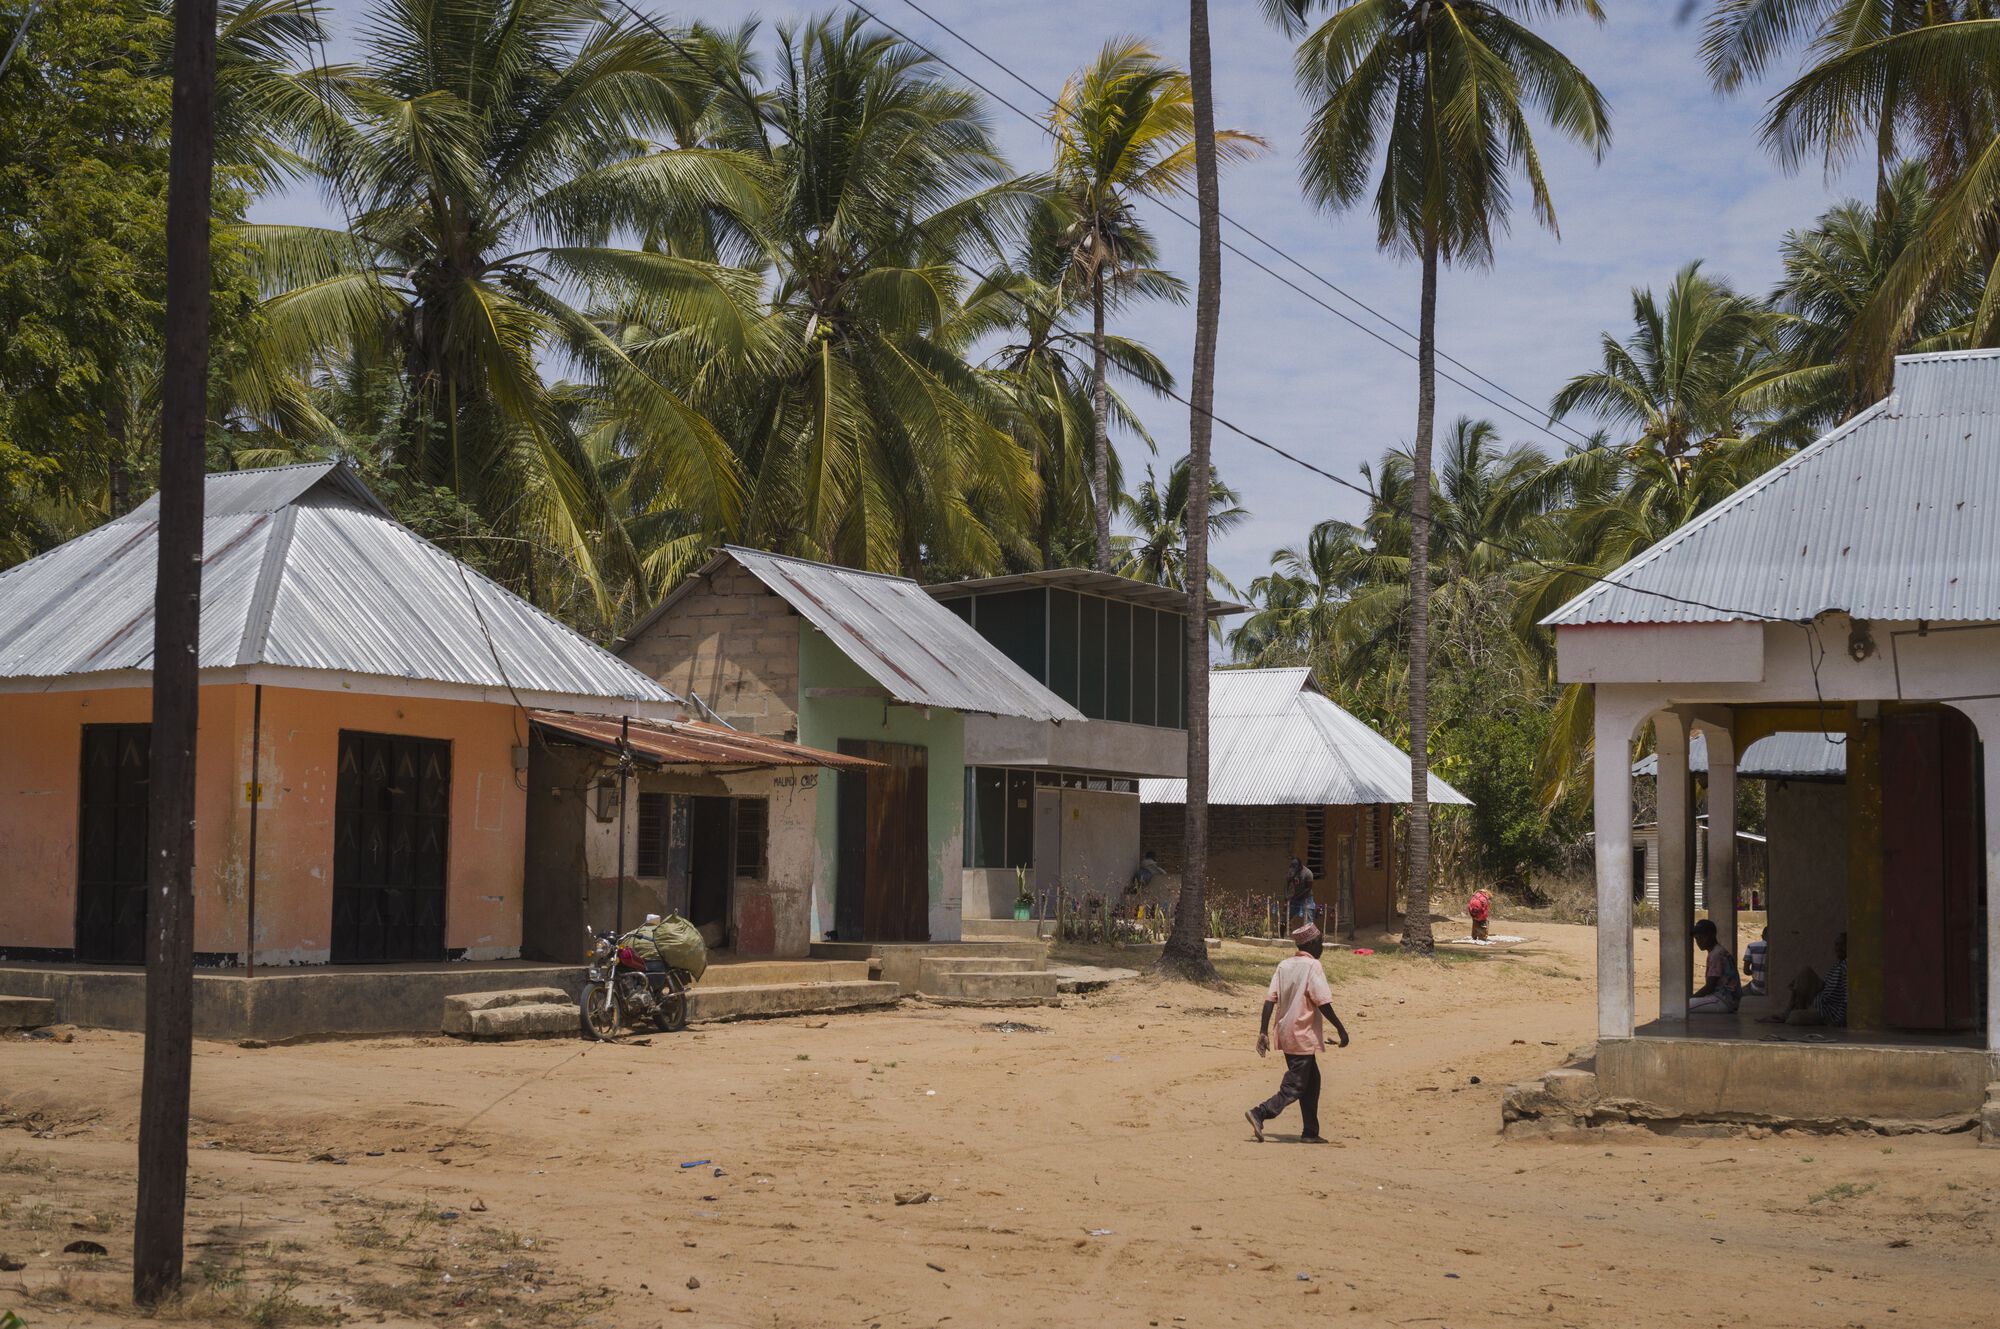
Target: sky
(1686,177)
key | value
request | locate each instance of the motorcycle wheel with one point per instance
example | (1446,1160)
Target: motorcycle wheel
(597,1012)
(672,1016)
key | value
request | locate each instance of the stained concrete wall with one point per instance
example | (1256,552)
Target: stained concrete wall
(41,737)
(824,721)
(1806,830)
(734,644)
(1748,1080)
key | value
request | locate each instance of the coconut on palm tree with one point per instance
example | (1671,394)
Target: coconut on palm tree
(1441,93)
(1124,129)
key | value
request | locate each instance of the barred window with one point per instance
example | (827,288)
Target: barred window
(654,819)
(752,822)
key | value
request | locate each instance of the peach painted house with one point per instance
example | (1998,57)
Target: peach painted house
(363,736)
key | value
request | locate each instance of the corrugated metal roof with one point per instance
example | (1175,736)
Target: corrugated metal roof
(695,743)
(302,568)
(1110,585)
(924,654)
(1275,739)
(1893,516)
(1790,756)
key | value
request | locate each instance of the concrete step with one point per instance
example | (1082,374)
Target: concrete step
(1011,987)
(1002,929)
(932,968)
(761,973)
(757,1000)
(527,1020)
(26,1012)
(463,1002)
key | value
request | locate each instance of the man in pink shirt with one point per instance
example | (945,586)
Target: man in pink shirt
(1300,997)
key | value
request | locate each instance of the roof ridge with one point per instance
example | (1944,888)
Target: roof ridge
(820,563)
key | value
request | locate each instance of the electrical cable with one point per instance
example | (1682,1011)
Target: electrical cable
(1183,190)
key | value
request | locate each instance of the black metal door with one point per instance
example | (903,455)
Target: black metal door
(391,826)
(111,844)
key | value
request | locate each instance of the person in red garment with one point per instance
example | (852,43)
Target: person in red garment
(1300,998)
(1479,908)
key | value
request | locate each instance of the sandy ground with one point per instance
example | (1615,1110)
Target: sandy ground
(1092,1169)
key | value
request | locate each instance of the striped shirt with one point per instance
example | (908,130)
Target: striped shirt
(1831,1003)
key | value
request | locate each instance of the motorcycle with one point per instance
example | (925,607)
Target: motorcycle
(619,994)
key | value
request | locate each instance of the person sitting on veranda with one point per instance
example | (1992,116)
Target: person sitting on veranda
(1723,990)
(1816,1000)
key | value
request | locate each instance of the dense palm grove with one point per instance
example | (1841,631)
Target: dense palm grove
(604,294)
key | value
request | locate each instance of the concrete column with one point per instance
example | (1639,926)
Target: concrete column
(1985,717)
(1670,733)
(1722,835)
(1612,816)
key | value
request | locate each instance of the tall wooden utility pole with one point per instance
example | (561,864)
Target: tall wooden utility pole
(163,1102)
(1186,951)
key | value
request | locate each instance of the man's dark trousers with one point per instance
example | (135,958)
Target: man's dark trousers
(1301,1086)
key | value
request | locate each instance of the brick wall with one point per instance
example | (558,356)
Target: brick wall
(733,643)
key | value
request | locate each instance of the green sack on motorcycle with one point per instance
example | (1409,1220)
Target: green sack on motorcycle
(679,943)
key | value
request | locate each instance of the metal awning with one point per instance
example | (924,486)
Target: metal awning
(693,743)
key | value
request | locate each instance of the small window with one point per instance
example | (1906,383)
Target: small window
(654,819)
(1048,779)
(987,812)
(752,823)
(1372,837)
(1316,841)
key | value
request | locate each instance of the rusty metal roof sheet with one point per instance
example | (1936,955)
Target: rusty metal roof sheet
(695,743)
(1895,515)
(302,569)
(1088,581)
(918,650)
(1275,739)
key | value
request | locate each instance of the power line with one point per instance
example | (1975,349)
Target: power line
(1567,569)
(1540,423)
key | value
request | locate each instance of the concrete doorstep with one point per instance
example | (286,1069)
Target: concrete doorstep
(26,1012)
(520,1013)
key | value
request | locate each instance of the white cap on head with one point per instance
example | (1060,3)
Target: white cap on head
(652,918)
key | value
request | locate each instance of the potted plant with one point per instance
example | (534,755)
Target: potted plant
(1024,903)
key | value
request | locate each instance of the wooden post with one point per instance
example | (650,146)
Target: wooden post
(256,805)
(169,1055)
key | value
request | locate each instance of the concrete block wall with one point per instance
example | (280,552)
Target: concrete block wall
(732,643)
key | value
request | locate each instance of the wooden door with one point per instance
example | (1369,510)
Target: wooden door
(1931,843)
(111,844)
(391,829)
(882,882)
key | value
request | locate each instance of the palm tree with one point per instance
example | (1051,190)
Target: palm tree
(1441,90)
(1297,604)
(1044,364)
(1833,271)
(1124,129)
(486,155)
(1186,950)
(867,436)
(1743,37)
(1159,514)
(1682,381)
(1952,63)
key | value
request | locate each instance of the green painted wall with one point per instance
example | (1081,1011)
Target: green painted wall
(824,721)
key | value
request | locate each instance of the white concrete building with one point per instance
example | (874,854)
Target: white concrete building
(1853,590)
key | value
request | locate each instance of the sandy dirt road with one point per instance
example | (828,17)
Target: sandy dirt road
(1091,1170)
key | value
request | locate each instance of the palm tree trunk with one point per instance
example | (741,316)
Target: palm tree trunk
(1100,477)
(1417,904)
(1186,951)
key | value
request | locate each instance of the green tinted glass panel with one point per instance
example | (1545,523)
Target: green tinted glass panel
(1090,659)
(1145,665)
(1167,668)
(1117,660)
(962,607)
(1063,644)
(1017,623)
(1020,819)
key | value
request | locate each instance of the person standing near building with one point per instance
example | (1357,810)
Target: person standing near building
(1299,887)
(1300,998)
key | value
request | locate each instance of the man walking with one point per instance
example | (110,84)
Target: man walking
(1300,997)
